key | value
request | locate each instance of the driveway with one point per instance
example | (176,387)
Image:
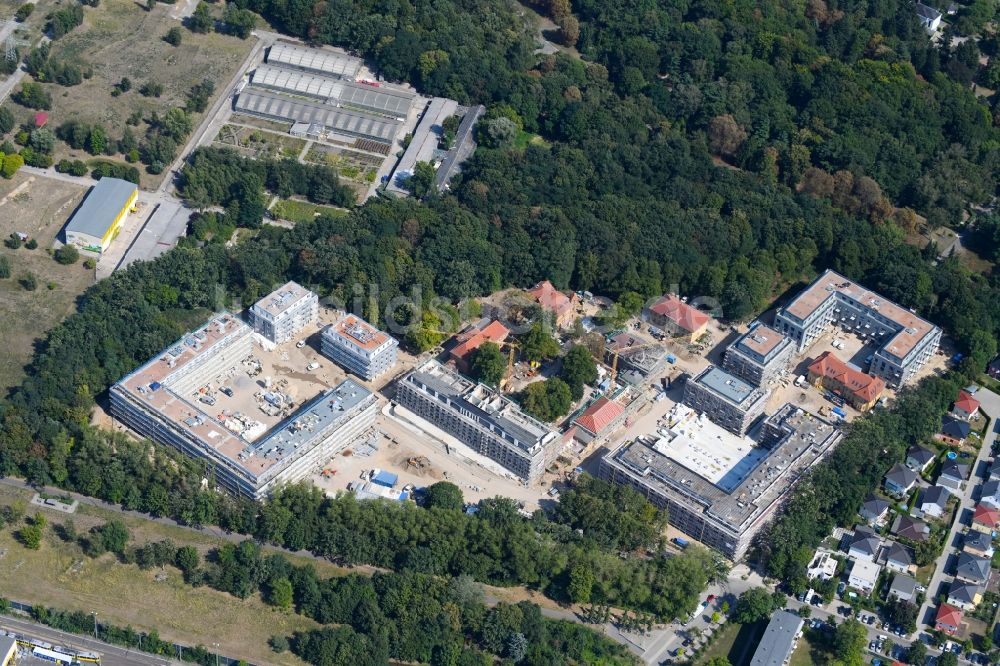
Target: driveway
(990,404)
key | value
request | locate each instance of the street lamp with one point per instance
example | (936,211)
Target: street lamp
(94,613)
(216,646)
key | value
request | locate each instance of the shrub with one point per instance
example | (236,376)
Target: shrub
(173,36)
(31,244)
(23,12)
(29,282)
(66,255)
(4,267)
(89,264)
(13,241)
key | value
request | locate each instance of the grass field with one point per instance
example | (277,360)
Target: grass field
(736,642)
(38,207)
(60,575)
(296,211)
(107,41)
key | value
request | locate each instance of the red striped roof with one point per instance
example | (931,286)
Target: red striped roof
(986,515)
(600,415)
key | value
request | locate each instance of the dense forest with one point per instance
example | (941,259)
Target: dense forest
(733,149)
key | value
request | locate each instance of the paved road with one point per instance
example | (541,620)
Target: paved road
(111,655)
(990,404)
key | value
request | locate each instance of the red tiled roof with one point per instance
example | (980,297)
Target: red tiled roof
(549,297)
(471,339)
(688,318)
(949,615)
(966,403)
(600,415)
(862,385)
(986,515)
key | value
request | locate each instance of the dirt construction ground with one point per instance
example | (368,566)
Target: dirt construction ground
(38,207)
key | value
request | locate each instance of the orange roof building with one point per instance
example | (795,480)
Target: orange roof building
(678,318)
(472,337)
(599,416)
(948,619)
(965,407)
(554,301)
(986,518)
(861,390)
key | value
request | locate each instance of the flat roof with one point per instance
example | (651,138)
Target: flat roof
(103,203)
(277,105)
(729,387)
(805,438)
(390,101)
(709,450)
(424,144)
(779,637)
(318,60)
(282,299)
(831,285)
(482,403)
(152,384)
(359,332)
(760,341)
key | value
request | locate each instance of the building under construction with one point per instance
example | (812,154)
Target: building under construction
(480,418)
(172,399)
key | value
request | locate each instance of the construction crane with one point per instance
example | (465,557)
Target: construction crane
(630,348)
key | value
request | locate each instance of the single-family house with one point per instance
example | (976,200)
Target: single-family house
(993,369)
(906,527)
(995,471)
(898,558)
(986,518)
(919,459)
(965,407)
(978,543)
(863,576)
(864,544)
(904,588)
(953,474)
(899,480)
(677,318)
(929,17)
(935,501)
(470,339)
(965,595)
(948,619)
(556,303)
(990,493)
(953,431)
(823,566)
(972,568)
(874,509)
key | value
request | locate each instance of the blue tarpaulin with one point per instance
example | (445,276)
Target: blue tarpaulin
(386,479)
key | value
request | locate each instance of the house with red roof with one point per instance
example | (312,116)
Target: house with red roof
(677,318)
(986,518)
(601,417)
(555,302)
(472,337)
(948,619)
(859,389)
(965,407)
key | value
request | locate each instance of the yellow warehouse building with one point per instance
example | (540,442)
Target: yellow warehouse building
(101,215)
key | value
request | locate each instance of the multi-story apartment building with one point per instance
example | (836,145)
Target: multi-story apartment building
(358,347)
(480,418)
(165,401)
(726,399)
(905,341)
(719,488)
(759,355)
(284,312)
